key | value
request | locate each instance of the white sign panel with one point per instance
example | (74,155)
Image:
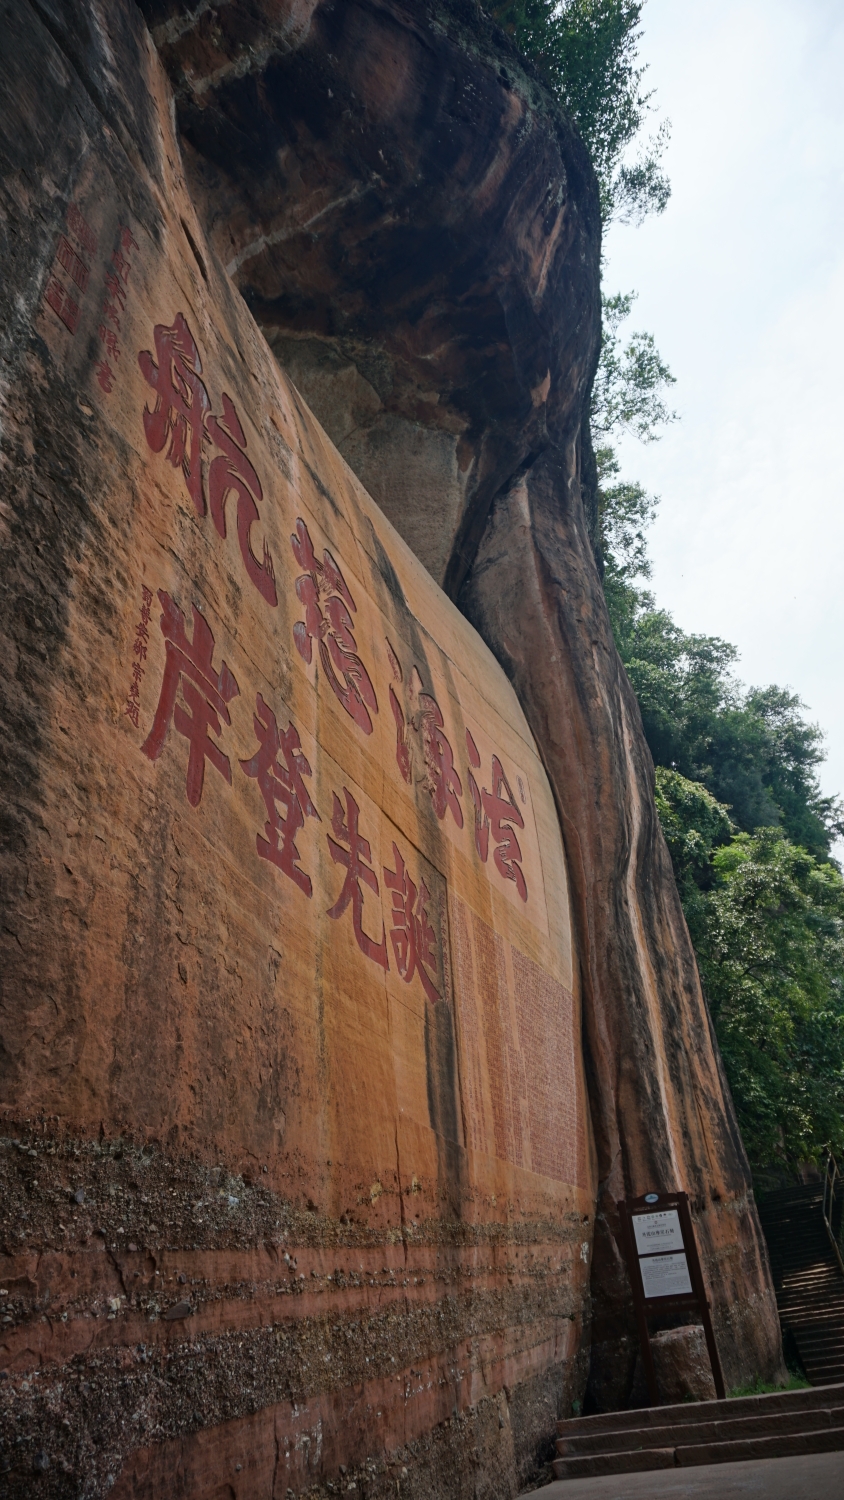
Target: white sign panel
(659,1231)
(665,1276)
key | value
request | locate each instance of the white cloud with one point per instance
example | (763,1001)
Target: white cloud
(742,283)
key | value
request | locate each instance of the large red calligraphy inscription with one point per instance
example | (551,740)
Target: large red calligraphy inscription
(232,472)
(329,607)
(412,936)
(181,403)
(425,719)
(281,783)
(357,861)
(181,419)
(188,665)
(494,814)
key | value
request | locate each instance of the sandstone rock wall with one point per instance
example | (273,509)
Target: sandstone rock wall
(297,1178)
(415,226)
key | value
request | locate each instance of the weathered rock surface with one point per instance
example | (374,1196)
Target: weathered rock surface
(415,234)
(297,1182)
(284,1208)
(415,227)
(681,1361)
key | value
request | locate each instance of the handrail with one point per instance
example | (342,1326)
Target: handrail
(831,1177)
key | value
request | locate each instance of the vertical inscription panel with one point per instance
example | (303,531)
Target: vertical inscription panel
(518,1029)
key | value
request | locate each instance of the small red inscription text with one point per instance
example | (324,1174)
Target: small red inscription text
(139,651)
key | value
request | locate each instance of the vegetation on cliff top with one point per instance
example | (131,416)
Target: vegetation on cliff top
(587,51)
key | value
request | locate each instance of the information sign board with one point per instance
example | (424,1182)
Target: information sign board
(665,1276)
(658,1231)
(665,1271)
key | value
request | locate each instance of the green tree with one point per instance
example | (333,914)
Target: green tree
(751,749)
(695,825)
(587,52)
(767,924)
(772,964)
(628,394)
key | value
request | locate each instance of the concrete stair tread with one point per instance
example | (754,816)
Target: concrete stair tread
(690,1455)
(819,1397)
(728,1429)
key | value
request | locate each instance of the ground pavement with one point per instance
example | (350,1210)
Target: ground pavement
(816,1476)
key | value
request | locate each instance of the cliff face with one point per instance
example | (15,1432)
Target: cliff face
(297,1182)
(415,234)
(305,887)
(426,267)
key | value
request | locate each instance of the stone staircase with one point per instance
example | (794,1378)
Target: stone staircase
(807,1279)
(702,1432)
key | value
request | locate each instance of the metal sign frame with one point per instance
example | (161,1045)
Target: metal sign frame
(630,1209)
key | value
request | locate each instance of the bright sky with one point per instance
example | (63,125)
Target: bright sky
(741,281)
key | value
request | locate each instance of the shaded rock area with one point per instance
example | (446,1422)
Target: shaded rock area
(426,266)
(414,230)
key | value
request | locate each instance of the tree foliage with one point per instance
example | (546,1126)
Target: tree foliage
(737,789)
(739,800)
(628,394)
(751,749)
(587,52)
(695,825)
(772,963)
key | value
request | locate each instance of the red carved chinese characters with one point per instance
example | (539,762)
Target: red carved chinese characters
(328,621)
(114,305)
(281,783)
(494,813)
(441,776)
(444,784)
(70,265)
(412,936)
(59,298)
(356,859)
(403,758)
(73,264)
(207,694)
(181,402)
(232,472)
(139,651)
(182,419)
(81,229)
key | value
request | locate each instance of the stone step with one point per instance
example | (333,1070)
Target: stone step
(813,1301)
(810,1317)
(785,1402)
(830,1440)
(683,1433)
(817,1309)
(812,1285)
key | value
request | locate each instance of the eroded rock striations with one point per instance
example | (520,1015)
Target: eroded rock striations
(426,267)
(305,887)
